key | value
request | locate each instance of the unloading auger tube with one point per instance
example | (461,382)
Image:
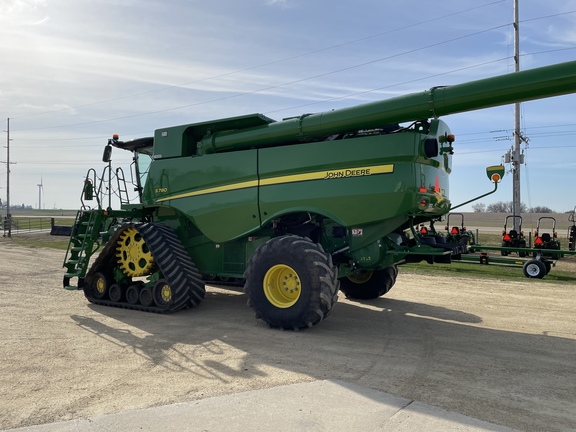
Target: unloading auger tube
(520,86)
(156,247)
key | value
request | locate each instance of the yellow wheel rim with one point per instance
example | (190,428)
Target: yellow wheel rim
(100,285)
(166,293)
(282,286)
(134,257)
(360,278)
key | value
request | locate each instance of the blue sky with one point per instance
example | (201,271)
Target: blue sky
(72,73)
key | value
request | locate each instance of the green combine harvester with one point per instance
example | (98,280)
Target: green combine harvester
(292,210)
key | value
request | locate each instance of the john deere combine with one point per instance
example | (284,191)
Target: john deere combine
(293,210)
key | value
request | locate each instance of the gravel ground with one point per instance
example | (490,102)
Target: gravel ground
(502,352)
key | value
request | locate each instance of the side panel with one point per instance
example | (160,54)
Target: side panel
(358,181)
(218,192)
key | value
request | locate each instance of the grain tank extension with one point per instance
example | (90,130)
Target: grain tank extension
(291,210)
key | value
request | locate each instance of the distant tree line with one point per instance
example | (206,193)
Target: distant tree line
(506,207)
(15,206)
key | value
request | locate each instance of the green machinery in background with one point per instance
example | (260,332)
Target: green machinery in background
(293,210)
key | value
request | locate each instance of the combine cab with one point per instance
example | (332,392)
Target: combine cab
(292,210)
(513,238)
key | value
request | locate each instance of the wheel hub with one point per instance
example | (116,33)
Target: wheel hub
(282,286)
(166,293)
(360,278)
(100,285)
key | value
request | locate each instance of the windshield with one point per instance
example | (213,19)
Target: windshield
(143,165)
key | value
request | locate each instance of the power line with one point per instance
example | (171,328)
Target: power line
(323,75)
(168,87)
(274,86)
(333,99)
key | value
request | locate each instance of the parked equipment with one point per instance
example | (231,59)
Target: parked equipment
(572,231)
(547,240)
(513,238)
(458,234)
(292,210)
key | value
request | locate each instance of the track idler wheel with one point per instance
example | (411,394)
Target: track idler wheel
(146,298)
(163,295)
(133,294)
(117,292)
(99,285)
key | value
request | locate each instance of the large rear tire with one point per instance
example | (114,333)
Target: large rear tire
(368,285)
(291,283)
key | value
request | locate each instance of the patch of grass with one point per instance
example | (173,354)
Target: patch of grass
(489,239)
(39,240)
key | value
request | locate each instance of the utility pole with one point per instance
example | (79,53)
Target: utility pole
(8,220)
(516,162)
(514,155)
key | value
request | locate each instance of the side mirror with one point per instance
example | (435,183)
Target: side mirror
(88,190)
(107,153)
(495,173)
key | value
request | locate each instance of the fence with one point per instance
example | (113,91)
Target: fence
(29,224)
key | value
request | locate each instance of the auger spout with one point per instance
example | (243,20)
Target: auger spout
(514,87)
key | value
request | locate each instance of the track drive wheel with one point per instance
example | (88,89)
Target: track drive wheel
(534,269)
(291,283)
(368,285)
(134,256)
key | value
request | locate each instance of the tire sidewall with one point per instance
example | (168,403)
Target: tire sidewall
(309,281)
(532,265)
(317,275)
(379,283)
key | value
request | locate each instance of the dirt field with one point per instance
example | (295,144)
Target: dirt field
(498,351)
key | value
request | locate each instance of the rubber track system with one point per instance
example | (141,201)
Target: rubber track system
(172,260)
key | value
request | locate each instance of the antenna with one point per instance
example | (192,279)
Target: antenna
(40,193)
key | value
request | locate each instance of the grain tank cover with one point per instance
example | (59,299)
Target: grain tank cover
(179,141)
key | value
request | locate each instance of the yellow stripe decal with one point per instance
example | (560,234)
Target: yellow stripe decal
(318,175)
(331,174)
(243,185)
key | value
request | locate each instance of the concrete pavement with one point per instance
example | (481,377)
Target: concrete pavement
(331,405)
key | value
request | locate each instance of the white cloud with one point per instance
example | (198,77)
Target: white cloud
(23,12)
(281,3)
(100,65)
